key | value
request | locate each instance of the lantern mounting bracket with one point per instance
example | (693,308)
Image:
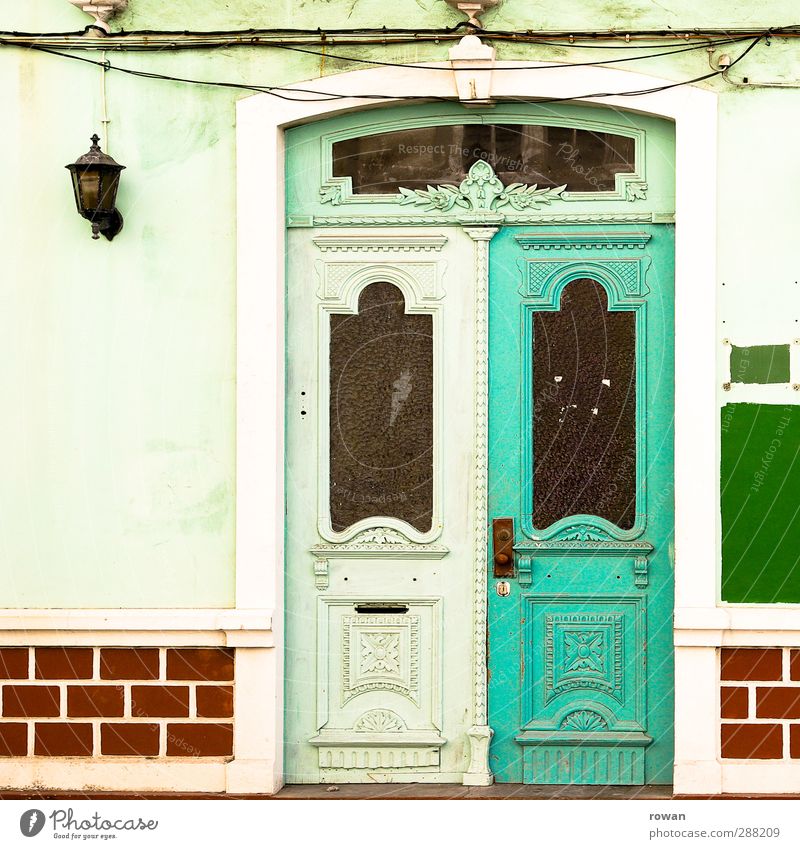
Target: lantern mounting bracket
(101,10)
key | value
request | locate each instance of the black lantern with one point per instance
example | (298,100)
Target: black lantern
(95,180)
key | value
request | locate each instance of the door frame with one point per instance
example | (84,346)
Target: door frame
(261,261)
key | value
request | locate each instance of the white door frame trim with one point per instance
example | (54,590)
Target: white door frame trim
(261,121)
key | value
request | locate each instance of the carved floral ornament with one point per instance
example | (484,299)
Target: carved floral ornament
(481,193)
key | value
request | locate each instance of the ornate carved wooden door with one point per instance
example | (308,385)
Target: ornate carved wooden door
(581,458)
(422,252)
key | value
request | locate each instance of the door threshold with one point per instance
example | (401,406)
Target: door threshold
(459,791)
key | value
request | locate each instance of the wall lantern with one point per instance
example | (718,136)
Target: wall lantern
(95,180)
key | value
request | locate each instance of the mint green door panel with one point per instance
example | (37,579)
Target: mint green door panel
(580,650)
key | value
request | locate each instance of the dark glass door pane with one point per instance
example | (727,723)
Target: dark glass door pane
(381,412)
(585,161)
(584,422)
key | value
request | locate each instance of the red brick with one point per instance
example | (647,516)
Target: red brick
(129,738)
(95,700)
(63,739)
(201,740)
(159,700)
(13,739)
(214,701)
(752,741)
(778,702)
(200,664)
(794,741)
(14,663)
(733,702)
(129,664)
(751,665)
(794,664)
(62,663)
(30,700)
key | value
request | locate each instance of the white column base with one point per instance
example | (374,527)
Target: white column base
(479,774)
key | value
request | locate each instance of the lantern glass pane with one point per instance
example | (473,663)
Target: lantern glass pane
(90,189)
(108,193)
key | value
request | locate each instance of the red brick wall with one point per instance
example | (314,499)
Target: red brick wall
(112,702)
(760,703)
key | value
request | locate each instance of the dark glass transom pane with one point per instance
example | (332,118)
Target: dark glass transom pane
(584,160)
(584,419)
(381,412)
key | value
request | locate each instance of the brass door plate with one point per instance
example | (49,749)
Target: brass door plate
(503,547)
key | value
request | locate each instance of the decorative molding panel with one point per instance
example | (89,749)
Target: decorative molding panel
(353,757)
(382,244)
(593,660)
(380,653)
(583,241)
(586,547)
(620,762)
(543,282)
(627,274)
(380,542)
(583,651)
(339,277)
(378,684)
(530,217)
(341,283)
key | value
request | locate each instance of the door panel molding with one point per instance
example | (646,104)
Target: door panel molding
(342,280)
(543,284)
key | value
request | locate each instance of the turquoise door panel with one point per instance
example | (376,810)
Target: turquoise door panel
(580,638)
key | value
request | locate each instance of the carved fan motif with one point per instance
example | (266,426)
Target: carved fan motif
(584,720)
(379,722)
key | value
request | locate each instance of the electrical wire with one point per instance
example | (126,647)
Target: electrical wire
(326,34)
(175,40)
(359,60)
(286,92)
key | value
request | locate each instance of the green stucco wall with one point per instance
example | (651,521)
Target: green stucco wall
(117,440)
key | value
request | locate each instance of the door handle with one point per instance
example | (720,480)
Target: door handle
(503,547)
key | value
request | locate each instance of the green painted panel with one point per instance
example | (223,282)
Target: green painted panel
(760,364)
(760,509)
(580,647)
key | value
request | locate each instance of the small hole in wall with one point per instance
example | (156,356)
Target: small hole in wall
(302,412)
(413,579)
(303,393)
(347,579)
(549,576)
(618,578)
